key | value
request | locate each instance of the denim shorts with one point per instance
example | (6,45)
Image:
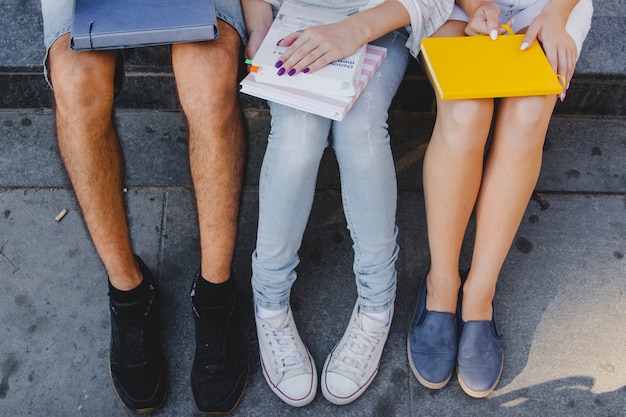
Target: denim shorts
(57,21)
(577,27)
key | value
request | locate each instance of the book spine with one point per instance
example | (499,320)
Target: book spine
(431,73)
(374,57)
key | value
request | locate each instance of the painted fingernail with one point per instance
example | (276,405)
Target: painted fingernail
(563,94)
(307,69)
(281,71)
(494,34)
(280,40)
(291,72)
(278,64)
(523,46)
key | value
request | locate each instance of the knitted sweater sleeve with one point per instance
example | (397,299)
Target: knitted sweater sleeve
(426,17)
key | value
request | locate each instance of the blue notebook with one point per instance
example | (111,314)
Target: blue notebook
(116,24)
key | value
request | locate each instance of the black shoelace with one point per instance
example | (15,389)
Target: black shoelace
(135,337)
(212,337)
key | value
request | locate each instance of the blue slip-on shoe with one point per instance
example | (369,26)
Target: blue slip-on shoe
(432,344)
(481,357)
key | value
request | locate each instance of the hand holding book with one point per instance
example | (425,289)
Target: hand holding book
(317,46)
(483,19)
(548,28)
(258,17)
(341,39)
(339,77)
(326,105)
(490,68)
(558,45)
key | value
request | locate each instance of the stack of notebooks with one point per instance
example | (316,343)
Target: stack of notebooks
(337,78)
(330,91)
(327,105)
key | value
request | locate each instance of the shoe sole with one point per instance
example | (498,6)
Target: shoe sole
(301,402)
(420,378)
(223,413)
(147,409)
(290,401)
(345,400)
(480,394)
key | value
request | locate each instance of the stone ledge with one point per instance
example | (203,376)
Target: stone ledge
(581,154)
(598,88)
(588,95)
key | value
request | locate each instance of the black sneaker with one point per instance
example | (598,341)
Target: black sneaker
(138,368)
(220,367)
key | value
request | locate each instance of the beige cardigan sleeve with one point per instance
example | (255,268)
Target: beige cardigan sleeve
(426,17)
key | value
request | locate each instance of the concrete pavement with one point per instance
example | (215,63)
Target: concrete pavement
(561,297)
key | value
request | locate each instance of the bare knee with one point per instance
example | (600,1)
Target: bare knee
(523,122)
(528,112)
(466,114)
(82,81)
(206,73)
(225,50)
(463,125)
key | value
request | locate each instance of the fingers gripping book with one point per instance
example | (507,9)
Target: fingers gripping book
(340,77)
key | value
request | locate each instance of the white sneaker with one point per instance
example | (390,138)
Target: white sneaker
(353,363)
(287,364)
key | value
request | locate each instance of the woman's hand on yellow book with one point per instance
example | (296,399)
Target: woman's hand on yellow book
(484,18)
(558,46)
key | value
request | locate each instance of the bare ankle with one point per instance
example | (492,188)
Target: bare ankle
(476,305)
(442,293)
(125,280)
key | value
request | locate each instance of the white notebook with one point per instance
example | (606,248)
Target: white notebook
(327,105)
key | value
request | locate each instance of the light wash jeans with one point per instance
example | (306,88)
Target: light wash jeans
(368,187)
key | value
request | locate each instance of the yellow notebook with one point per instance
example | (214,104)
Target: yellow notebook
(471,67)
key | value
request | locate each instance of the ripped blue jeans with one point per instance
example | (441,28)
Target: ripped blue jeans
(368,188)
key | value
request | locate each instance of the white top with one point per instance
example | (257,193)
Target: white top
(426,15)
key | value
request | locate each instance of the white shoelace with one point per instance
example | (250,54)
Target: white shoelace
(284,348)
(355,355)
